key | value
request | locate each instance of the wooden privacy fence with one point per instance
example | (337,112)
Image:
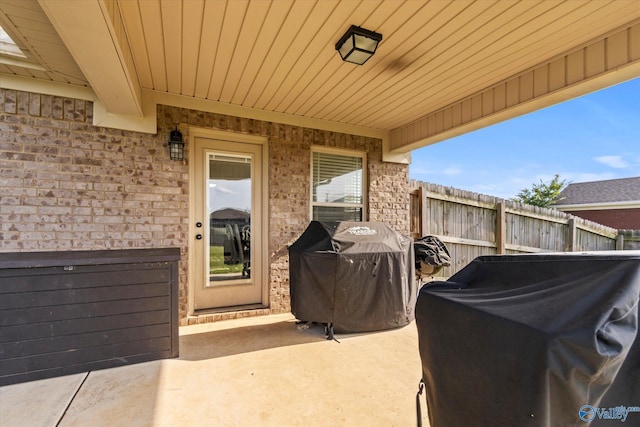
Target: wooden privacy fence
(630,239)
(472,225)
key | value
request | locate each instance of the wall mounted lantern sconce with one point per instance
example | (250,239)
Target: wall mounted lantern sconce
(176,146)
(358,45)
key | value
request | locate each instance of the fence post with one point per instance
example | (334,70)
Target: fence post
(573,231)
(620,241)
(501,225)
(423,210)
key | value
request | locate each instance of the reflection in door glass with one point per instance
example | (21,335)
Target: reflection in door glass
(229,207)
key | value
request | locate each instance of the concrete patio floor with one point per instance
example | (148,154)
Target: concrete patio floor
(260,371)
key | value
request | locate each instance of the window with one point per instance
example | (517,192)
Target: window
(337,186)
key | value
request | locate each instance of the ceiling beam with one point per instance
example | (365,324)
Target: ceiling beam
(94,33)
(601,63)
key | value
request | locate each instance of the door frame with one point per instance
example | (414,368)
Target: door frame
(263,185)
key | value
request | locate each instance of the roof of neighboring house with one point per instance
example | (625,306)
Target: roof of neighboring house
(230,213)
(609,191)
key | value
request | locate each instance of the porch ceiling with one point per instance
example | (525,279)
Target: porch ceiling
(276,58)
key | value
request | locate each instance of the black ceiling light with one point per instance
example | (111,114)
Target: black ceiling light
(358,45)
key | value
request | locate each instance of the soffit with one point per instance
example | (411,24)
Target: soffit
(279,57)
(47,58)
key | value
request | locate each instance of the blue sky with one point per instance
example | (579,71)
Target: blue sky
(591,138)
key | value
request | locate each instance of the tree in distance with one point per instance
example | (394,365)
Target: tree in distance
(544,194)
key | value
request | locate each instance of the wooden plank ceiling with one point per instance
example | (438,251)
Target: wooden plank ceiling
(278,56)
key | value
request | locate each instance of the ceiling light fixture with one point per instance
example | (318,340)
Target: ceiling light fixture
(357,45)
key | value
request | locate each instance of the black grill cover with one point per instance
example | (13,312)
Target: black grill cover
(357,276)
(528,340)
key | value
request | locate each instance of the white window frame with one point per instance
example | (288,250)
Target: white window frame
(347,153)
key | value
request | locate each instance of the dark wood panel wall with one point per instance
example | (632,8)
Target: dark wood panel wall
(68,312)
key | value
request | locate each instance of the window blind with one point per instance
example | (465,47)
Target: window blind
(337,178)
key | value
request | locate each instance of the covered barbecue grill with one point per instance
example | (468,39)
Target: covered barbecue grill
(352,276)
(431,256)
(532,340)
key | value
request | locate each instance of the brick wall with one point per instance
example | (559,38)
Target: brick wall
(66,184)
(616,218)
(389,193)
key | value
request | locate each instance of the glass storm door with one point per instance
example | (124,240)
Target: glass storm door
(228,210)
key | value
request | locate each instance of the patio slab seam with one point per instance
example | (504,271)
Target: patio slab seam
(64,412)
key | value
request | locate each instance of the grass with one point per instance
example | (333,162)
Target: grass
(216,262)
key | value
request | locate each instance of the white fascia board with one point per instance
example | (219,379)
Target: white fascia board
(599,206)
(28,84)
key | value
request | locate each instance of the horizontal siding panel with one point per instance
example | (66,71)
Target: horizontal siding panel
(82,311)
(81,326)
(56,278)
(25,348)
(81,296)
(142,257)
(84,355)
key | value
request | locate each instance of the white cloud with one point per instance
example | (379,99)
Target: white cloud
(452,171)
(613,161)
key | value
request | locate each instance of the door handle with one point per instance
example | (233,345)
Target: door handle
(198,236)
